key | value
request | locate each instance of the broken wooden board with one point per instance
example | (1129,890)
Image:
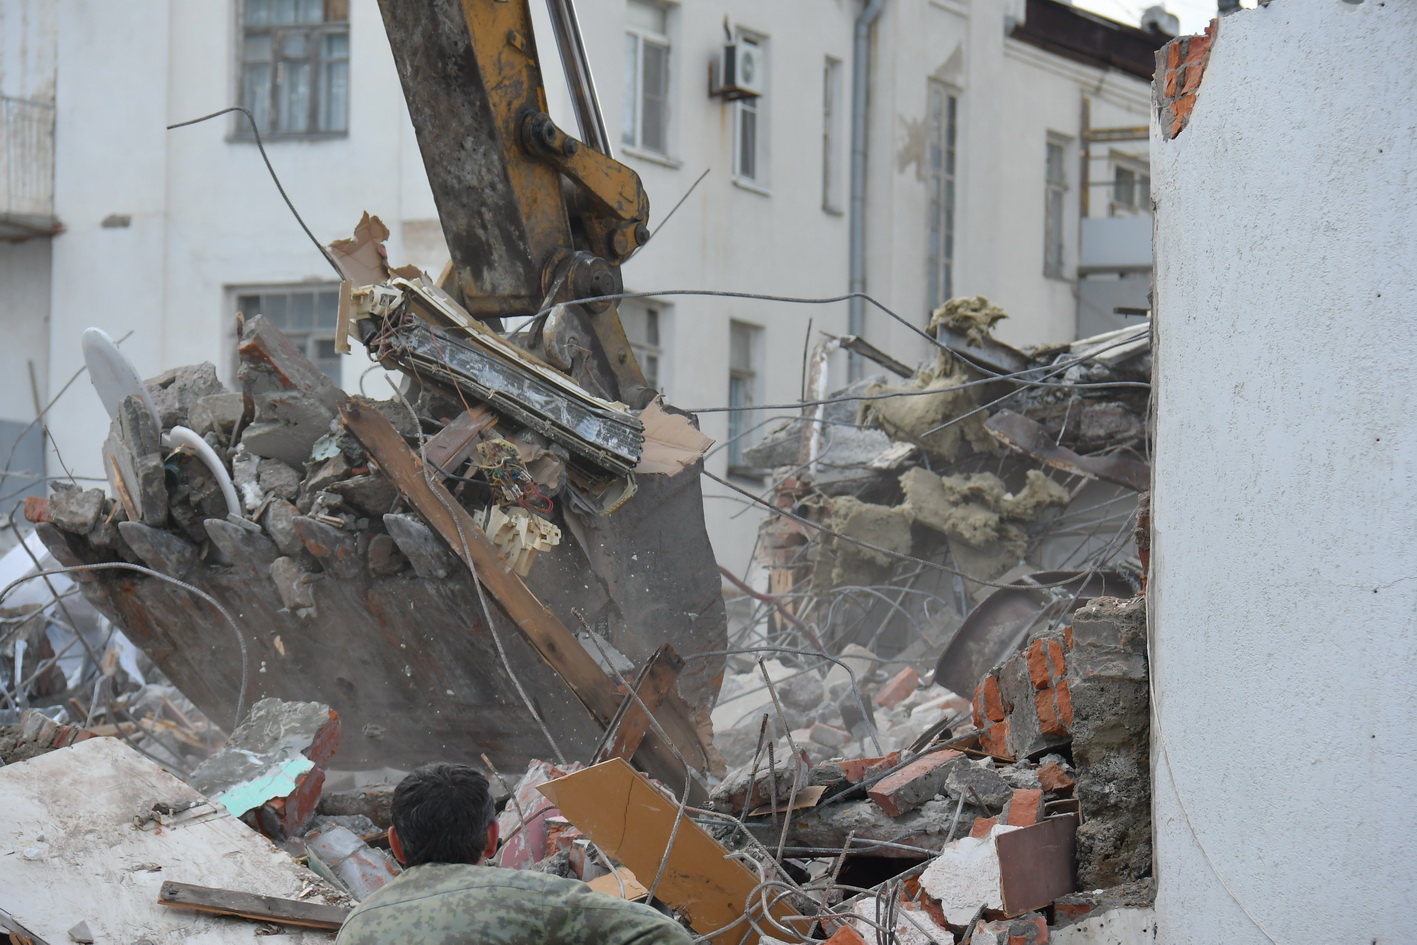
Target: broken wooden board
(654,683)
(244,905)
(623,814)
(70,850)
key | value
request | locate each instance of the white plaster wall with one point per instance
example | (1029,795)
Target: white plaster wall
(1283,592)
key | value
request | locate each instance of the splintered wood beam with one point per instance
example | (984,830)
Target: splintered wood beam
(654,683)
(541,628)
(312,915)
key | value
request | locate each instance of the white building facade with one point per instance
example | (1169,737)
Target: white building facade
(982,130)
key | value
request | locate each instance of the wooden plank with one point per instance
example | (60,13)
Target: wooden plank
(246,905)
(541,628)
(451,446)
(655,681)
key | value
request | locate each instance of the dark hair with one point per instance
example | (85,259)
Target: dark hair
(441,813)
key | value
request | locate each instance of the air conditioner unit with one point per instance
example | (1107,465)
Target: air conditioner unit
(743,68)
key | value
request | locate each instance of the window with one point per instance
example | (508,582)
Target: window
(646,119)
(1055,192)
(1131,188)
(742,389)
(749,120)
(306,314)
(642,321)
(943,128)
(295,66)
(831,136)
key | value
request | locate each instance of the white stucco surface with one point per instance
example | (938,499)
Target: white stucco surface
(1284,583)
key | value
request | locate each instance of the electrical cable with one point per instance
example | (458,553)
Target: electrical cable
(256,132)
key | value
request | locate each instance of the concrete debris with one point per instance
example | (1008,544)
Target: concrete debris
(271,770)
(330,551)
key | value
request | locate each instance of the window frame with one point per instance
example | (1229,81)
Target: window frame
(1141,185)
(743,380)
(635,98)
(657,316)
(268,117)
(1055,208)
(942,190)
(832,136)
(755,178)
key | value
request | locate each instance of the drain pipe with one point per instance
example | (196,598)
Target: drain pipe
(860,98)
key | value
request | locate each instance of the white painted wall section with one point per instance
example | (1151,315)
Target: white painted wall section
(1284,588)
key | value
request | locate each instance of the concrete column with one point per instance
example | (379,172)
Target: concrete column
(1283,596)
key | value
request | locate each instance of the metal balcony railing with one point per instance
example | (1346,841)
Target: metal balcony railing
(26,168)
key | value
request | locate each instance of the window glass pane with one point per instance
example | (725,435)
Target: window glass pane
(274,307)
(1144,192)
(747,141)
(248,305)
(310,11)
(257,48)
(258,12)
(282,12)
(334,96)
(294,45)
(651,334)
(740,347)
(629,127)
(336,46)
(327,309)
(294,97)
(302,311)
(650,365)
(256,95)
(655,95)
(1124,187)
(1055,163)
(647,16)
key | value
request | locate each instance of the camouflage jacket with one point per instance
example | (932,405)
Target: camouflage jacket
(452,903)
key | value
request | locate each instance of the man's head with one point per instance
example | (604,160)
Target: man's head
(443,813)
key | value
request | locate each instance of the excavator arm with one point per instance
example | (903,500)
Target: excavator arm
(533,216)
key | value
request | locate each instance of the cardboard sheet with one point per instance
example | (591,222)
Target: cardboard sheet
(623,814)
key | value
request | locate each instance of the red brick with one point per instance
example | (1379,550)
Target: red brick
(1173,54)
(982,826)
(975,712)
(1169,88)
(37,509)
(901,685)
(887,792)
(1065,704)
(993,700)
(1068,636)
(1054,778)
(1198,47)
(1071,911)
(1193,77)
(857,769)
(1037,657)
(1057,659)
(994,740)
(1025,808)
(845,935)
(1046,704)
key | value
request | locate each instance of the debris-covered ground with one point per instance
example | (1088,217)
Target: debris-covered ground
(932,722)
